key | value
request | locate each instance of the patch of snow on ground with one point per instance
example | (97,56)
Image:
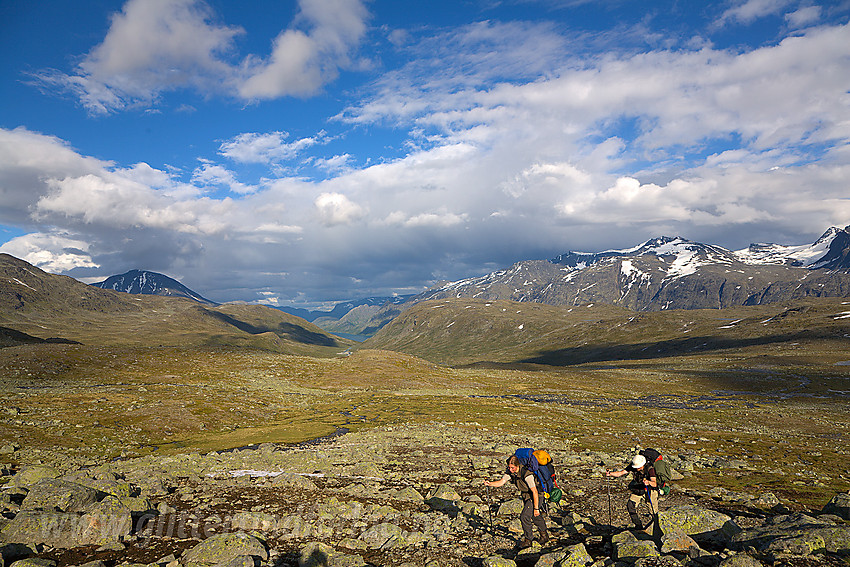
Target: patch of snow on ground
(22,283)
(520,327)
(844,315)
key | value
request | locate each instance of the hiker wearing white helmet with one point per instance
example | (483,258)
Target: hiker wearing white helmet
(644,488)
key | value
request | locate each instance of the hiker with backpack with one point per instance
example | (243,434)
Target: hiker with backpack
(533,509)
(644,487)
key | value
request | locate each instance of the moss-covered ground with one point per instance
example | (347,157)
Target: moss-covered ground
(783,412)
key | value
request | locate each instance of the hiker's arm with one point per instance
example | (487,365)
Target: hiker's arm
(497,483)
(651,481)
(616,474)
(535,497)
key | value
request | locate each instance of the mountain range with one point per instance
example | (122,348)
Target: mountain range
(670,273)
(660,274)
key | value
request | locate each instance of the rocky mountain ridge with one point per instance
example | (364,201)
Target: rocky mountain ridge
(670,273)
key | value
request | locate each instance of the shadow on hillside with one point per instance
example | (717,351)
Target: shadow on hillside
(663,349)
(293,332)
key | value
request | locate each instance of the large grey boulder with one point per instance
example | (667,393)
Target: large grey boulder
(105,522)
(444,498)
(407,494)
(699,523)
(741,560)
(629,548)
(839,505)
(61,495)
(510,508)
(33,562)
(30,475)
(223,548)
(571,556)
(56,529)
(797,534)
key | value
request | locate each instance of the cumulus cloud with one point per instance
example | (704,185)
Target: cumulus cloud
(156,46)
(302,62)
(337,209)
(152,46)
(210,174)
(55,252)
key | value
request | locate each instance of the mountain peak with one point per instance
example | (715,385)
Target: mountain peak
(150,283)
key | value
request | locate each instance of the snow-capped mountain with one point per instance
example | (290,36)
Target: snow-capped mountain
(150,283)
(671,273)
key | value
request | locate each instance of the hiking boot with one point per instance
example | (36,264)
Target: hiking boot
(524,543)
(543,539)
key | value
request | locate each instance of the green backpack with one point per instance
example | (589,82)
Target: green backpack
(663,474)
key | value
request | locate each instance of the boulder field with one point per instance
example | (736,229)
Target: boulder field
(410,495)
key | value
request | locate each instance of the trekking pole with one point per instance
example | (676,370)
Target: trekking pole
(490,513)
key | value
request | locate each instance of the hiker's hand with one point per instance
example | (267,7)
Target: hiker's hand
(536,511)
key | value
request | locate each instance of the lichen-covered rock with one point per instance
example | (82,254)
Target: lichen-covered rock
(700,523)
(795,535)
(633,550)
(677,540)
(571,556)
(629,547)
(406,494)
(510,507)
(497,561)
(800,544)
(443,498)
(33,562)
(382,535)
(249,521)
(56,529)
(663,561)
(105,522)
(62,495)
(839,505)
(28,476)
(297,481)
(741,560)
(223,548)
(317,554)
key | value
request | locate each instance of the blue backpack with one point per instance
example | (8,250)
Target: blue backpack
(540,463)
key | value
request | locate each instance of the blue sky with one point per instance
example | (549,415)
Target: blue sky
(303,152)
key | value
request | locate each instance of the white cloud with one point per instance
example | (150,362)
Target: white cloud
(153,46)
(210,174)
(302,62)
(803,17)
(51,252)
(156,46)
(267,148)
(337,209)
(748,11)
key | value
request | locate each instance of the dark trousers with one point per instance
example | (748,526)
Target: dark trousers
(527,519)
